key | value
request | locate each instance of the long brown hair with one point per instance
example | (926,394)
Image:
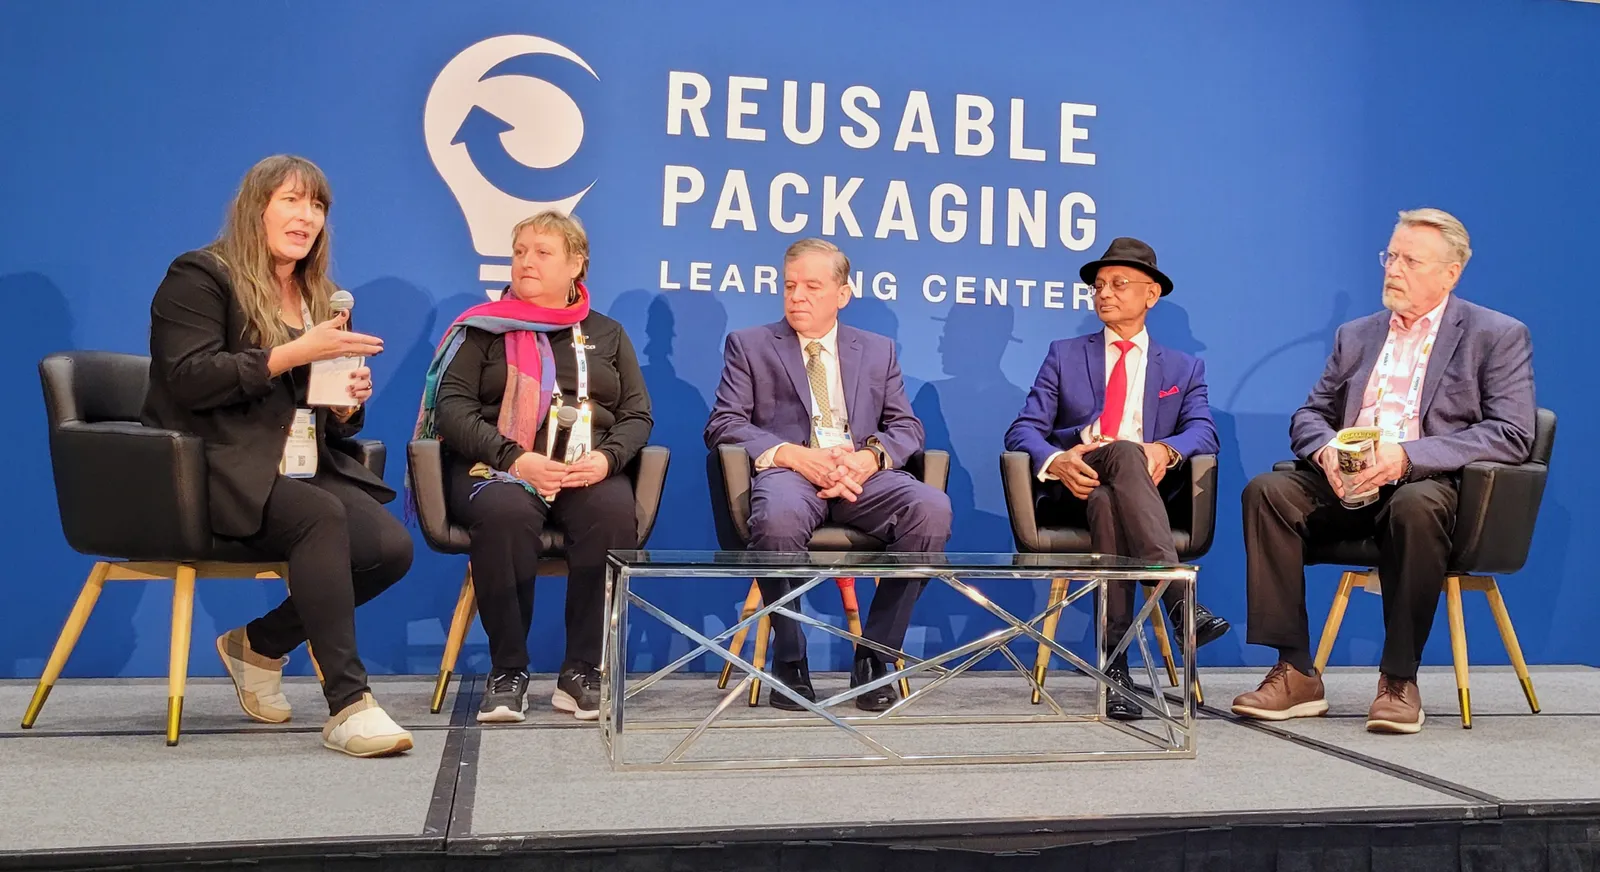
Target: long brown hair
(242,249)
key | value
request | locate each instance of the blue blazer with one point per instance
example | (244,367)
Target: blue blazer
(764,398)
(1477,398)
(1070,393)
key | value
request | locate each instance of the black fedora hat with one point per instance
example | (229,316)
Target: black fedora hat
(1127,251)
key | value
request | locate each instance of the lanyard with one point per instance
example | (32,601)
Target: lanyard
(582,357)
(1386,367)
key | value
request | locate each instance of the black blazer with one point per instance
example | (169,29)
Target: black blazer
(207,379)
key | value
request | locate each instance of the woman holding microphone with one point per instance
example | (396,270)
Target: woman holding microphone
(506,374)
(234,329)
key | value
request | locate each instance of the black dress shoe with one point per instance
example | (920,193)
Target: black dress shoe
(868,669)
(1208,627)
(1120,708)
(796,675)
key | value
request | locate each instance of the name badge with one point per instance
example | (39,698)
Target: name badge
(300,449)
(831,437)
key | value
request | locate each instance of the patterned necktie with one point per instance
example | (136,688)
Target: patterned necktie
(818,375)
(1116,393)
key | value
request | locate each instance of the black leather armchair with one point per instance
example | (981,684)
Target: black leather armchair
(648,472)
(1496,510)
(1193,528)
(135,498)
(730,471)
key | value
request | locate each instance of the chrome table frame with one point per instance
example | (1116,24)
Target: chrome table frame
(1179,726)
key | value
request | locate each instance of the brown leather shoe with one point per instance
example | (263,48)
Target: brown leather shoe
(1285,693)
(1398,708)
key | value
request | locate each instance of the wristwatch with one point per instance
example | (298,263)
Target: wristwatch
(877,449)
(1173,457)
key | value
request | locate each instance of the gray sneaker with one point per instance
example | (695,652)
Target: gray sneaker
(578,691)
(505,698)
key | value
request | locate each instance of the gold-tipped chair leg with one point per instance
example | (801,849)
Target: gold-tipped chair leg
(76,619)
(178,667)
(460,622)
(752,601)
(1041,661)
(1458,647)
(759,659)
(1502,619)
(1159,625)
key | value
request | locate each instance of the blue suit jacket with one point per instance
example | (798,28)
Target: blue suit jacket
(1477,396)
(764,398)
(1070,393)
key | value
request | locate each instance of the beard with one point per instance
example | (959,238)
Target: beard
(1396,301)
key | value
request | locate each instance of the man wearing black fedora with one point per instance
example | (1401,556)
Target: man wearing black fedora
(1110,416)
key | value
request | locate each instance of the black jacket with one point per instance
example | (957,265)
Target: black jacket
(208,380)
(467,406)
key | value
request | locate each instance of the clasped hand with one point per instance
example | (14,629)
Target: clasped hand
(837,471)
(1080,478)
(550,477)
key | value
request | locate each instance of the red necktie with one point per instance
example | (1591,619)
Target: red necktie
(1116,393)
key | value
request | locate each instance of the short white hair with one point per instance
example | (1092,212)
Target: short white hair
(1449,226)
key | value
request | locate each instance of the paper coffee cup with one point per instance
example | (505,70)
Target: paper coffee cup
(1357,451)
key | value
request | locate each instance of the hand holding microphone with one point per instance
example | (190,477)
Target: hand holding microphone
(331,339)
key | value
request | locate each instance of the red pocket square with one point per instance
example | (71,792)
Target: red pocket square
(1167,393)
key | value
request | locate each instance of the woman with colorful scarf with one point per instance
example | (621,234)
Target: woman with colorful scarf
(501,371)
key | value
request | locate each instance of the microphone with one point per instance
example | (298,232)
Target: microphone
(565,418)
(342,301)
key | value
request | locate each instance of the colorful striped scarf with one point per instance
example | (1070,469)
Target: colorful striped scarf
(530,365)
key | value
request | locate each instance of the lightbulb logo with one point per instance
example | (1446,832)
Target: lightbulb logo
(506,135)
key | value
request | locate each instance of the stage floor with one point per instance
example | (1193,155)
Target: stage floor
(94,779)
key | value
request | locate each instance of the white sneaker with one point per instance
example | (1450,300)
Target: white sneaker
(257,680)
(365,730)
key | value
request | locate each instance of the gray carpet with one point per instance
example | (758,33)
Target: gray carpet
(75,792)
(557,781)
(79,707)
(1495,689)
(1514,759)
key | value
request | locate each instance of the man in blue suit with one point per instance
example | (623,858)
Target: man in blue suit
(821,409)
(1110,417)
(1447,383)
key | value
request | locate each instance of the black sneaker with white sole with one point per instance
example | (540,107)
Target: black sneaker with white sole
(578,691)
(505,698)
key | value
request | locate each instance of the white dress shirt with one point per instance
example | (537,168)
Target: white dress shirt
(1132,426)
(830,364)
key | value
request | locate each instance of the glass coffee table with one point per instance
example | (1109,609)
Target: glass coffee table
(669,720)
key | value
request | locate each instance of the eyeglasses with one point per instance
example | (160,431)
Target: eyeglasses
(1120,283)
(1406,260)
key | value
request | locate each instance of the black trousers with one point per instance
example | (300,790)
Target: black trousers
(1126,515)
(343,549)
(1284,512)
(506,523)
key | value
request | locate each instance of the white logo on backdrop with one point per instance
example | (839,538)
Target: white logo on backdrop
(492,138)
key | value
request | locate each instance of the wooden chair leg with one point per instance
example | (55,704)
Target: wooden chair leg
(1041,661)
(752,601)
(1159,624)
(1502,619)
(903,684)
(763,630)
(460,623)
(1330,630)
(1458,646)
(178,667)
(76,619)
(316,667)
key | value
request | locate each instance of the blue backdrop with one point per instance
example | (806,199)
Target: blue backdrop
(1263,149)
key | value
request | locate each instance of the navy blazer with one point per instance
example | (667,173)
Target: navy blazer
(764,398)
(1477,397)
(1070,393)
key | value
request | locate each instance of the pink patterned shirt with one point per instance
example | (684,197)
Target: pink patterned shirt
(1408,344)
